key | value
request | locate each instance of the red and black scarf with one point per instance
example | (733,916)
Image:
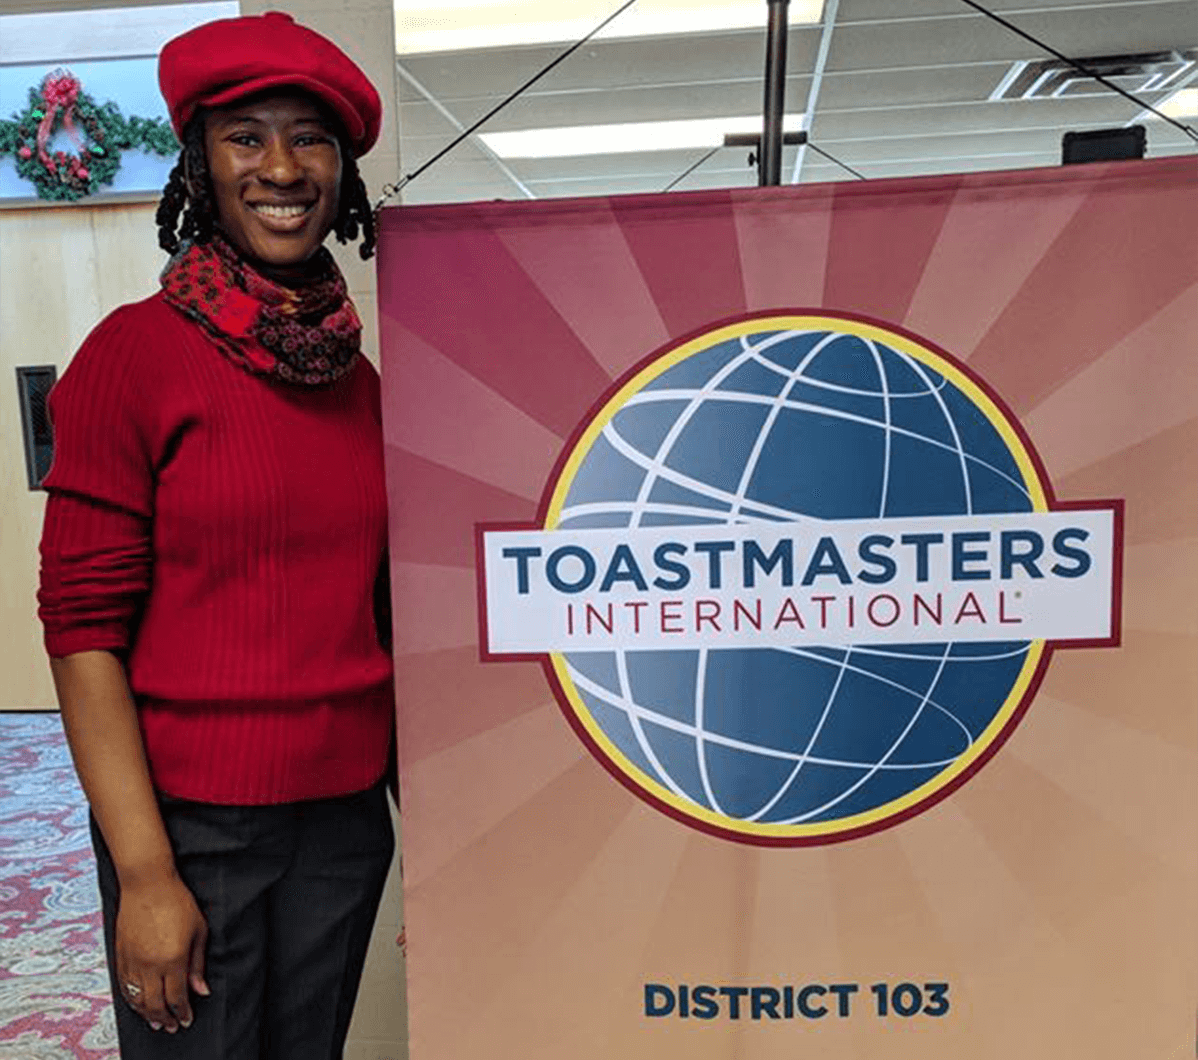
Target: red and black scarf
(309,334)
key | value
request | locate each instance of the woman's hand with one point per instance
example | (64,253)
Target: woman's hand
(160,932)
(160,939)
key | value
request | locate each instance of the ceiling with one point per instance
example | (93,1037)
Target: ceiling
(899,87)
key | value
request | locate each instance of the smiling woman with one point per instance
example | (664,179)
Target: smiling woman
(275,166)
(212,555)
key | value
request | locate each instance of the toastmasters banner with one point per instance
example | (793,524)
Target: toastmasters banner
(797,652)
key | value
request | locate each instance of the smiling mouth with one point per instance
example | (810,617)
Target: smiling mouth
(267,209)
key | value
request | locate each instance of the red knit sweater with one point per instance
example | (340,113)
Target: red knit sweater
(223,533)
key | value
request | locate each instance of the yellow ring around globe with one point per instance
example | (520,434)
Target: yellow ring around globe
(824,830)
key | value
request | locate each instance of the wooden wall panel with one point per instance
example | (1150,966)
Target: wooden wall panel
(61,270)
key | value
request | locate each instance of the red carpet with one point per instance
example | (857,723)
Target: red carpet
(54,1002)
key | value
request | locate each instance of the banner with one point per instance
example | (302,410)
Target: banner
(796,640)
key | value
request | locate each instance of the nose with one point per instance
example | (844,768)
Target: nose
(279,164)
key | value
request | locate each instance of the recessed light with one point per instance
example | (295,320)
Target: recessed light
(1181,104)
(624,137)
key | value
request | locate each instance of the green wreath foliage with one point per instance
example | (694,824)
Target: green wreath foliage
(104,131)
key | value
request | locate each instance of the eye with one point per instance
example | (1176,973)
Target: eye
(244,139)
(311,139)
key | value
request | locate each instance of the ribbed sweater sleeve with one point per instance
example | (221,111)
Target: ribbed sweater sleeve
(223,531)
(96,549)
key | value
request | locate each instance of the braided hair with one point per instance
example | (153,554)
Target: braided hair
(187,209)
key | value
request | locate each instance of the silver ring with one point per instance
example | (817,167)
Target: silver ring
(132,990)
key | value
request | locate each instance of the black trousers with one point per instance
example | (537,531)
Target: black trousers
(290,894)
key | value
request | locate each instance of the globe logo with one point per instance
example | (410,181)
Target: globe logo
(788,419)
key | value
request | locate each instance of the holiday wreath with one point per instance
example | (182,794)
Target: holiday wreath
(99,133)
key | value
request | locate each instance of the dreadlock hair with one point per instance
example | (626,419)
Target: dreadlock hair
(188,192)
(354,209)
(187,209)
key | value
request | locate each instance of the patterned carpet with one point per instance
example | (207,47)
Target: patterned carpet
(54,1002)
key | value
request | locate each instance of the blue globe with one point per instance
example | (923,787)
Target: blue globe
(785,424)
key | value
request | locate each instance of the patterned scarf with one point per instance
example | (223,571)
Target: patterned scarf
(309,334)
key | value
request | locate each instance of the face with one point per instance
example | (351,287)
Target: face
(275,164)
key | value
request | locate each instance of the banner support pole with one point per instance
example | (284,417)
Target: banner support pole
(769,163)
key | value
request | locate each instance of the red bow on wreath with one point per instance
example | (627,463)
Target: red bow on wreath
(60,90)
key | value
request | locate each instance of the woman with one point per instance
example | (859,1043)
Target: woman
(214,535)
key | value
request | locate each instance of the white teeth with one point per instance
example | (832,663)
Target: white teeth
(279,211)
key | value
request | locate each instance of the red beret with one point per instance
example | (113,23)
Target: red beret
(222,61)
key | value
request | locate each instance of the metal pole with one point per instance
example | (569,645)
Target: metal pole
(769,167)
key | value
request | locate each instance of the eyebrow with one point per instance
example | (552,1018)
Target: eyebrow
(249,119)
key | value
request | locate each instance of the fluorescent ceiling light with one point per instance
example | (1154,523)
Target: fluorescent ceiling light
(573,140)
(459,25)
(1181,104)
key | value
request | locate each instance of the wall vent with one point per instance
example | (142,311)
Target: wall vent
(33,387)
(1055,79)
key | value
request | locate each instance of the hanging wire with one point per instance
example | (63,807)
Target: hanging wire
(837,161)
(447,114)
(390,190)
(1082,68)
(690,169)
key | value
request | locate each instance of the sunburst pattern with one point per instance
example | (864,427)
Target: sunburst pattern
(1054,889)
